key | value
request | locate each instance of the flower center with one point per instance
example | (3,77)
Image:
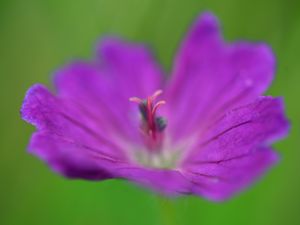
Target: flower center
(152,126)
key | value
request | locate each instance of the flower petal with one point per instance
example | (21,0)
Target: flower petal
(233,152)
(211,76)
(67,157)
(220,180)
(241,129)
(98,96)
(165,181)
(58,121)
(74,160)
(132,67)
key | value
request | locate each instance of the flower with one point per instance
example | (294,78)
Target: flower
(207,131)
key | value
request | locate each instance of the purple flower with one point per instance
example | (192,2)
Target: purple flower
(207,131)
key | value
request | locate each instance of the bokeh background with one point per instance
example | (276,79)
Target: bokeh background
(37,37)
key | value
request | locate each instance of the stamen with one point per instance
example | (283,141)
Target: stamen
(157,105)
(151,126)
(156,94)
(135,99)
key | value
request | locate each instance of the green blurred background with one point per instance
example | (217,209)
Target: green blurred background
(39,36)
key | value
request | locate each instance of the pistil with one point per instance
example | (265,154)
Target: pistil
(152,126)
